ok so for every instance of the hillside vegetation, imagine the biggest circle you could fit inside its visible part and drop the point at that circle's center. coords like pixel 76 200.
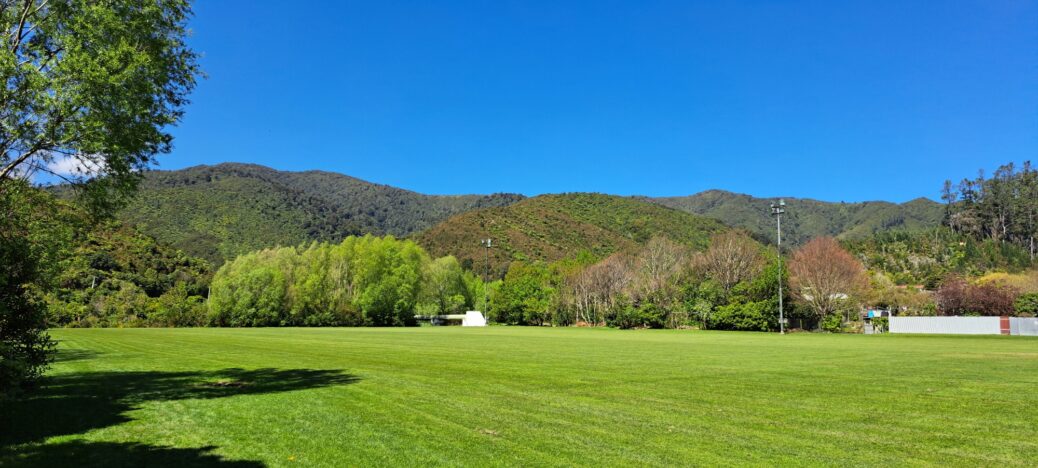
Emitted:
pixel 806 219
pixel 553 227
pixel 218 212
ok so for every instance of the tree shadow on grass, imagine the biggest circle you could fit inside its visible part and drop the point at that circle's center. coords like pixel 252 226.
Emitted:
pixel 66 355
pixel 111 454
pixel 75 403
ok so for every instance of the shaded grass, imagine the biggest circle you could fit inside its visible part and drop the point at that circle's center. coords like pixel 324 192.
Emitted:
pixel 527 396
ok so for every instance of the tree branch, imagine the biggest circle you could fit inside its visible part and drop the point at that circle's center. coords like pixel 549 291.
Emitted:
pixel 17 39
pixel 20 159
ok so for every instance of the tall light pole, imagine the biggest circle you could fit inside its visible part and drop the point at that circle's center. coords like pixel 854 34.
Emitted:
pixel 487 244
pixel 777 209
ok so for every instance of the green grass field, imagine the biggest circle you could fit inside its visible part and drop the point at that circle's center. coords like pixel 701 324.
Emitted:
pixel 525 396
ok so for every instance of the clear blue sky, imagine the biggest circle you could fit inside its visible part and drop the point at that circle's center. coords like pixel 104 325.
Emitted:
pixel 834 100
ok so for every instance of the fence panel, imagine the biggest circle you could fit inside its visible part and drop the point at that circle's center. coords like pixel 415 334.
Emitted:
pixel 947 325
pixel 1027 326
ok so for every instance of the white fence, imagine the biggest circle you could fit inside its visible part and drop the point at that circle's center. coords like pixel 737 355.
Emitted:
pixel 947 325
pixel 1027 326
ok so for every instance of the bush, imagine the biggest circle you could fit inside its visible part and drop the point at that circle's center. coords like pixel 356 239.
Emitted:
pixel 1027 304
pixel 750 316
pixel 960 297
pixel 652 315
pixel 832 323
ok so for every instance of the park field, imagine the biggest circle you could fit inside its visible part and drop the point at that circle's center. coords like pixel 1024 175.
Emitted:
pixel 525 396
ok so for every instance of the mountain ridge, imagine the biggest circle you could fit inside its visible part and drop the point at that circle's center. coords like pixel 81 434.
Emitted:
pixel 222 210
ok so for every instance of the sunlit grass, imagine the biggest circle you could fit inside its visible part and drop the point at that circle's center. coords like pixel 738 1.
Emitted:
pixel 527 396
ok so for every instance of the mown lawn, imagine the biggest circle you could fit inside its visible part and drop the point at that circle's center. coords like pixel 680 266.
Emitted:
pixel 525 396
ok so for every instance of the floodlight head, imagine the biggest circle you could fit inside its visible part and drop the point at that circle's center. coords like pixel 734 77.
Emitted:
pixel 782 202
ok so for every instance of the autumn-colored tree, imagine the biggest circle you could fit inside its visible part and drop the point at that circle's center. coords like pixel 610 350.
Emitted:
pixel 824 275
pixel 731 258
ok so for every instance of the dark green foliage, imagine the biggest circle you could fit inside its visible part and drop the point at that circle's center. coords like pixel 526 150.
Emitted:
pixel 31 239
pixel 748 316
pixel 926 257
pixel 623 314
pixel 752 304
pixel 806 219
pixel 116 276
pixel 1003 208
pixel 1027 304
pixel 218 212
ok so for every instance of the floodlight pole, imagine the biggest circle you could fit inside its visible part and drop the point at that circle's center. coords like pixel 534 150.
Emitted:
pixel 486 243
pixel 777 209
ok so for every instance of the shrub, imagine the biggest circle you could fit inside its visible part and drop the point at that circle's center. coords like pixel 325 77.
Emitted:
pixel 750 316
pixel 1027 304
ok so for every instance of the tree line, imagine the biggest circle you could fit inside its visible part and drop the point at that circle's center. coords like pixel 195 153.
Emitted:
pixel 1003 207
pixel 362 281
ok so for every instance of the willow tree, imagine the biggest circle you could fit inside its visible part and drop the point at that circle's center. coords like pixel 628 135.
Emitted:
pixel 91 88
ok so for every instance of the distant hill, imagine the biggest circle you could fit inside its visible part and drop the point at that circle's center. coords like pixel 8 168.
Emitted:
pixel 218 212
pixel 805 218
pixel 552 227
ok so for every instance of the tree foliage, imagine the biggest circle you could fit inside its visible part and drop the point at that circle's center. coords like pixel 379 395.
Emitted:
pixel 958 296
pixel 1003 208
pixel 378 281
pixel 30 240
pixel 94 83
pixel 824 276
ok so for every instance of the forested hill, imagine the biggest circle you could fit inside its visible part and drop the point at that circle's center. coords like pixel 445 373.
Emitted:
pixel 220 211
pixel 805 218
pixel 553 227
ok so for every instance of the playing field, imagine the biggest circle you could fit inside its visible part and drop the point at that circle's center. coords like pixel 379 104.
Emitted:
pixel 526 396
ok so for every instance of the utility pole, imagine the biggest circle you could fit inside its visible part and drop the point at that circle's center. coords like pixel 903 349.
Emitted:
pixel 486 243
pixel 777 209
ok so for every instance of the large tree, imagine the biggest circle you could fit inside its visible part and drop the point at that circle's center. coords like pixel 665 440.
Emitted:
pixel 825 276
pixel 731 258
pixel 91 88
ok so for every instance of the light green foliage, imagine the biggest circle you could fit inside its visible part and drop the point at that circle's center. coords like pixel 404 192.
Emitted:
pixel 446 286
pixel 387 278
pixel 362 281
pixel 530 396
pixel 527 296
pixel 100 81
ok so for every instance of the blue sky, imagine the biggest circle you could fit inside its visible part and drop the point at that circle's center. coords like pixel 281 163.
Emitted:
pixel 829 100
